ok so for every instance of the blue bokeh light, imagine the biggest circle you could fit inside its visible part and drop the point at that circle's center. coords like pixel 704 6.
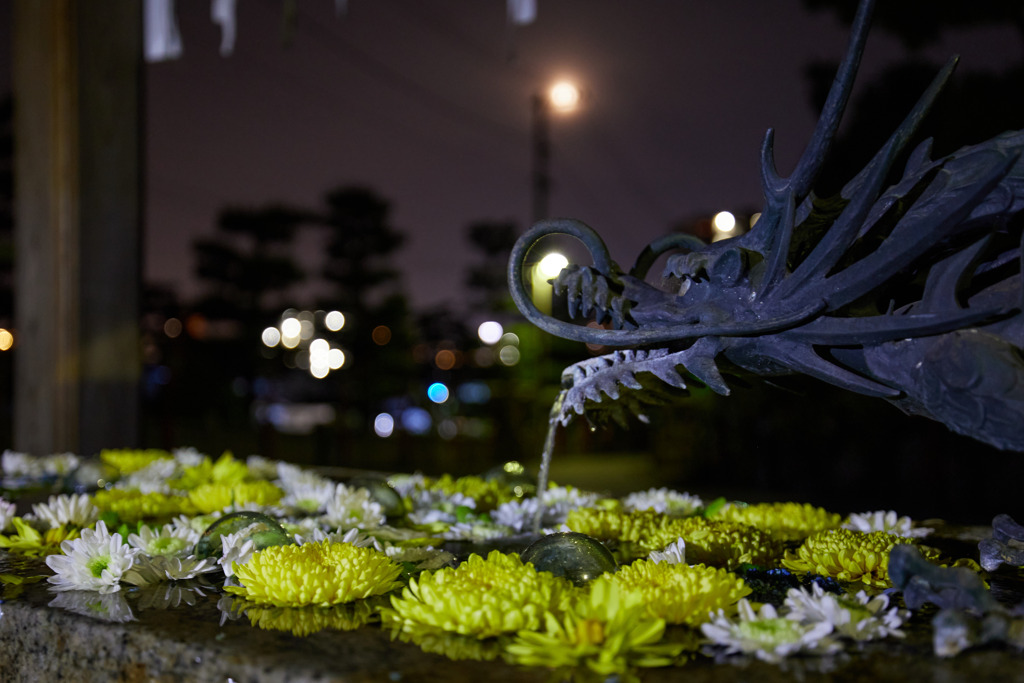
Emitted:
pixel 437 392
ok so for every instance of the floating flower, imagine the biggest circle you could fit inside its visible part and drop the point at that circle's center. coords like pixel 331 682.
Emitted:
pixel 226 470
pixel 134 505
pixel 853 616
pixel 64 510
pixel 480 598
pixel 353 508
pixel 94 561
pixel 887 521
pixel 59 464
pixel 678 593
pixel 713 542
pixel 766 635
pixel 7 512
pixel 188 456
pixel 149 570
pixel 214 496
pixel 126 461
pixel 487 493
pixel 673 553
pixel 608 630
pixel 663 500
pixel 849 555
pixel 153 478
pixel 322 574
pixel 170 539
pixel 436 506
pixel 28 541
pixel 784 521
pixel 17 464
pixel 309 498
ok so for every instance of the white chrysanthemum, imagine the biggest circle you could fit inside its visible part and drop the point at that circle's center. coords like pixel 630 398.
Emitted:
pixel 95 561
pixel 433 506
pixel 517 515
pixel 291 477
pixel 110 607
pixel 406 485
pixel 854 616
pixel 673 553
pixel 153 477
pixel 188 456
pixel 766 635
pixel 309 497
pixel 354 537
pixel 237 547
pixel 353 507
pixel 59 464
pixel 16 464
pixel 474 531
pixel 149 570
pixel 168 540
pixel 76 509
pixel 261 468
pixel 663 500
pixel 7 512
pixel 887 521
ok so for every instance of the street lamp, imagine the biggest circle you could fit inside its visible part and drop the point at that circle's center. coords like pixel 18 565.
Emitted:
pixel 562 97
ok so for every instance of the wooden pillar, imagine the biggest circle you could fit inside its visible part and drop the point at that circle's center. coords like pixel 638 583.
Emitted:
pixel 77 147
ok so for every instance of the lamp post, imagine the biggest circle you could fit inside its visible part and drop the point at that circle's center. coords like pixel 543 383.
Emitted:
pixel 562 97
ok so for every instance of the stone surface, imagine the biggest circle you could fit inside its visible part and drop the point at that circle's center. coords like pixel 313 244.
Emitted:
pixel 196 643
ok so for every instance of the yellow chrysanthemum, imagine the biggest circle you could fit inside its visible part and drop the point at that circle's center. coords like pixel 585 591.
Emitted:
pixel 850 555
pixel 132 505
pixel 679 593
pixel 212 497
pixel 712 542
pixel 322 574
pixel 488 493
pixel 28 541
pixel 608 630
pixel 226 470
pixel 304 621
pixel 784 521
pixel 127 460
pixel 480 598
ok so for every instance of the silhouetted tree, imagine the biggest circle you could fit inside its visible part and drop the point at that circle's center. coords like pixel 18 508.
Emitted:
pixel 487 279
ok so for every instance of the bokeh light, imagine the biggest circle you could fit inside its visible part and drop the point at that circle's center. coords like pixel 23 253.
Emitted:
pixel 508 355
pixel 334 321
pixel 564 96
pixel 271 337
pixel 6 339
pixel 444 359
pixel 384 425
pixel 490 332
pixel 551 265
pixel 416 420
pixel 381 335
pixel 438 392
pixel 172 328
pixel 724 221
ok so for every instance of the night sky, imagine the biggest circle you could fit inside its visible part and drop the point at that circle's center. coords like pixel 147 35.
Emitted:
pixel 427 103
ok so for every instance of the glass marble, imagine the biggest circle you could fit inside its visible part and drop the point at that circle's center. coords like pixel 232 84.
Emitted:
pixel 263 530
pixel 577 557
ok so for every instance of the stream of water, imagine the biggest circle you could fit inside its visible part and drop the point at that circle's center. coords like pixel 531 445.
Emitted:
pixel 545 459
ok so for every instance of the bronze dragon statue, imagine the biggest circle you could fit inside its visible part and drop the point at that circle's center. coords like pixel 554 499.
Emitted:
pixel 910 292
